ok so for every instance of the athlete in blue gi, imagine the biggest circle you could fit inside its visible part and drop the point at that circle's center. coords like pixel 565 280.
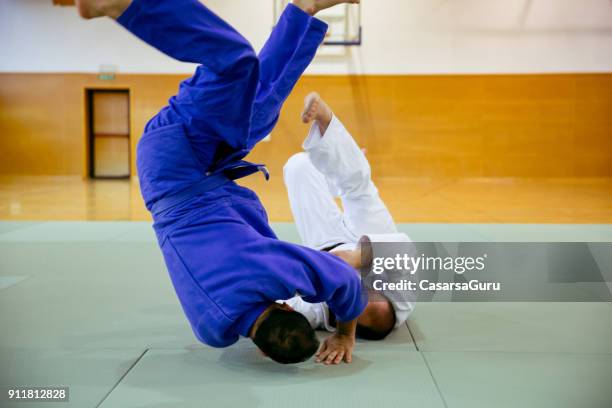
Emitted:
pixel 226 263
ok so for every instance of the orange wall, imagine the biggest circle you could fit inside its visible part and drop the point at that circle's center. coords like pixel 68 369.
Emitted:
pixel 475 126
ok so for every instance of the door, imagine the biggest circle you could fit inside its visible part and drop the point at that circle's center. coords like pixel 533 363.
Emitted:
pixel 109 133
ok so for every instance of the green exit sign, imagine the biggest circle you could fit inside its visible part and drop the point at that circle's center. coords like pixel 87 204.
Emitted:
pixel 106 76
pixel 107 72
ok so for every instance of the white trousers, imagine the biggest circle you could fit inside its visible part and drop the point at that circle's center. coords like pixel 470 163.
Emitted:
pixel 332 165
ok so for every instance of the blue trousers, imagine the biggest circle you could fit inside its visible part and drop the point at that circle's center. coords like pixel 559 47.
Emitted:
pixel 235 96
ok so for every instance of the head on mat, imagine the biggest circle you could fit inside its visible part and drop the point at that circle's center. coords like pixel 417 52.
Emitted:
pixel 284 335
pixel 377 320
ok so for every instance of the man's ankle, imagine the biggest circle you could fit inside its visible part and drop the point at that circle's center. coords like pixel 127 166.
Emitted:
pixel 307 6
pixel 115 8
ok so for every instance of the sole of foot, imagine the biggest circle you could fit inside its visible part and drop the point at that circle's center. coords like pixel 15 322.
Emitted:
pixel 315 108
pixel 311 107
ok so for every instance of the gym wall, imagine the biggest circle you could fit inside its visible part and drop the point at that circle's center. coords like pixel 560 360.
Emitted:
pixel 400 37
pixel 479 88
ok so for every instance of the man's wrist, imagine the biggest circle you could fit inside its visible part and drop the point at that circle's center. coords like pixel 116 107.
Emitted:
pixel 346 328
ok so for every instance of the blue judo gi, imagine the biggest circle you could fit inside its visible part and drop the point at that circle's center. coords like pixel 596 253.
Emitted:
pixel 226 264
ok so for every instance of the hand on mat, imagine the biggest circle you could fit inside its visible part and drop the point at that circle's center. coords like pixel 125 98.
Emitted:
pixel 335 349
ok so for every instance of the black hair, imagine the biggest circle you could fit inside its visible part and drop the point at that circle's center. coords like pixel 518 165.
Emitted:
pixel 368 333
pixel 374 333
pixel 286 337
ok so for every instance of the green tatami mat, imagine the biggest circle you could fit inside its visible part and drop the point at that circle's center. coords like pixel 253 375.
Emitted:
pixel 545 232
pixel 516 327
pixel 8 226
pixel 526 380
pixel 89 295
pixel 90 374
pixel 8 281
pixel 71 231
pixel 241 377
pixel 80 302
pixel 143 231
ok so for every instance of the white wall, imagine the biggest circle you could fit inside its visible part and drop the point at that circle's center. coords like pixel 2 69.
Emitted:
pixel 400 37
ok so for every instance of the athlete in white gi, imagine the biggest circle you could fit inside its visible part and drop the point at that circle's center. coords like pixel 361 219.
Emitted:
pixel 332 165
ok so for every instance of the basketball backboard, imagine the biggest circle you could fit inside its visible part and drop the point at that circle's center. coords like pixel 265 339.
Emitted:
pixel 344 23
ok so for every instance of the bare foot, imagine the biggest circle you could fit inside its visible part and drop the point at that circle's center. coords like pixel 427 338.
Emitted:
pixel 100 8
pixel 312 7
pixel 316 109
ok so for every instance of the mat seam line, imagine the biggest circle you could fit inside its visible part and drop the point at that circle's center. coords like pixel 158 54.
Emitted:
pixel 416 346
pixel 122 377
pixel 433 379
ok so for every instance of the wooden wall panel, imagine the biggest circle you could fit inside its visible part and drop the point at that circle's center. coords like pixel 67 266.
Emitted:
pixel 430 126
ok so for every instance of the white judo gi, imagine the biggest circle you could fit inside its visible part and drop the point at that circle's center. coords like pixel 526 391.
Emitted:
pixel 332 165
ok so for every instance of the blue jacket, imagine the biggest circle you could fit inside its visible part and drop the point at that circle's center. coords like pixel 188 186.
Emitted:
pixel 225 262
